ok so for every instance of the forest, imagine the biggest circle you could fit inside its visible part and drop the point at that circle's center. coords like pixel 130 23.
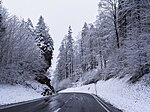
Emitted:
pixel 25 51
pixel 105 67
pixel 116 45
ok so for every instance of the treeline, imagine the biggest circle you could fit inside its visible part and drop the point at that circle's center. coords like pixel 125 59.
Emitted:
pixel 25 50
pixel 115 45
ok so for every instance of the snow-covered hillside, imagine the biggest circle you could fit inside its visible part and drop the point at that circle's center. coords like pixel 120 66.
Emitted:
pixel 13 94
pixel 127 97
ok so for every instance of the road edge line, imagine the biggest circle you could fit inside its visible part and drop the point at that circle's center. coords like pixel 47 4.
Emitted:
pixel 100 103
pixel 22 103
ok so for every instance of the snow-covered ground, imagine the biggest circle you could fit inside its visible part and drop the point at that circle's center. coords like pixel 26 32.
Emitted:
pixel 129 98
pixel 13 94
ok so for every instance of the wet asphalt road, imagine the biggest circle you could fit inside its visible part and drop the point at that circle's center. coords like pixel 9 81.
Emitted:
pixel 63 102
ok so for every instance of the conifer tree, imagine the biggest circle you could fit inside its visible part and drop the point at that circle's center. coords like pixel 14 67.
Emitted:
pixel 44 40
pixel 70 51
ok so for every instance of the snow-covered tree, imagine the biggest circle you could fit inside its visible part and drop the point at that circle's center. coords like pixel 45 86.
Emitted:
pixel 62 68
pixel 66 61
pixel 3 40
pixel 108 9
pixel 44 40
pixel 83 40
pixel 20 57
pixel 65 64
pixel 70 54
pixel 117 45
pixel 30 27
pixel 134 33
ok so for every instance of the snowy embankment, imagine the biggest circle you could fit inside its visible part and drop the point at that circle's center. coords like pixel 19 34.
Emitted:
pixel 14 94
pixel 129 98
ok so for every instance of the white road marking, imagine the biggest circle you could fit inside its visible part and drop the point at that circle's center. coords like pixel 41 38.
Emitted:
pixel 100 103
pixel 57 110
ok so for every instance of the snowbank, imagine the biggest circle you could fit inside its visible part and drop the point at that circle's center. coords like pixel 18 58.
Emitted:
pixel 129 98
pixel 13 94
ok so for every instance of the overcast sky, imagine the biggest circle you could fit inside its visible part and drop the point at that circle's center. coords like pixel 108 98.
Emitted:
pixel 58 15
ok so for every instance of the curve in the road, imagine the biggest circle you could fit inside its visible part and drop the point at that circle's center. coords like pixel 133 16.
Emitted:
pixel 63 102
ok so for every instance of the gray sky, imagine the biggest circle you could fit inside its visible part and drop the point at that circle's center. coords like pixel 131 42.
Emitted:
pixel 58 15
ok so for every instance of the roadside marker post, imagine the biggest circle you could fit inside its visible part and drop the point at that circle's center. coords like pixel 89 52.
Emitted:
pixel 95 82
